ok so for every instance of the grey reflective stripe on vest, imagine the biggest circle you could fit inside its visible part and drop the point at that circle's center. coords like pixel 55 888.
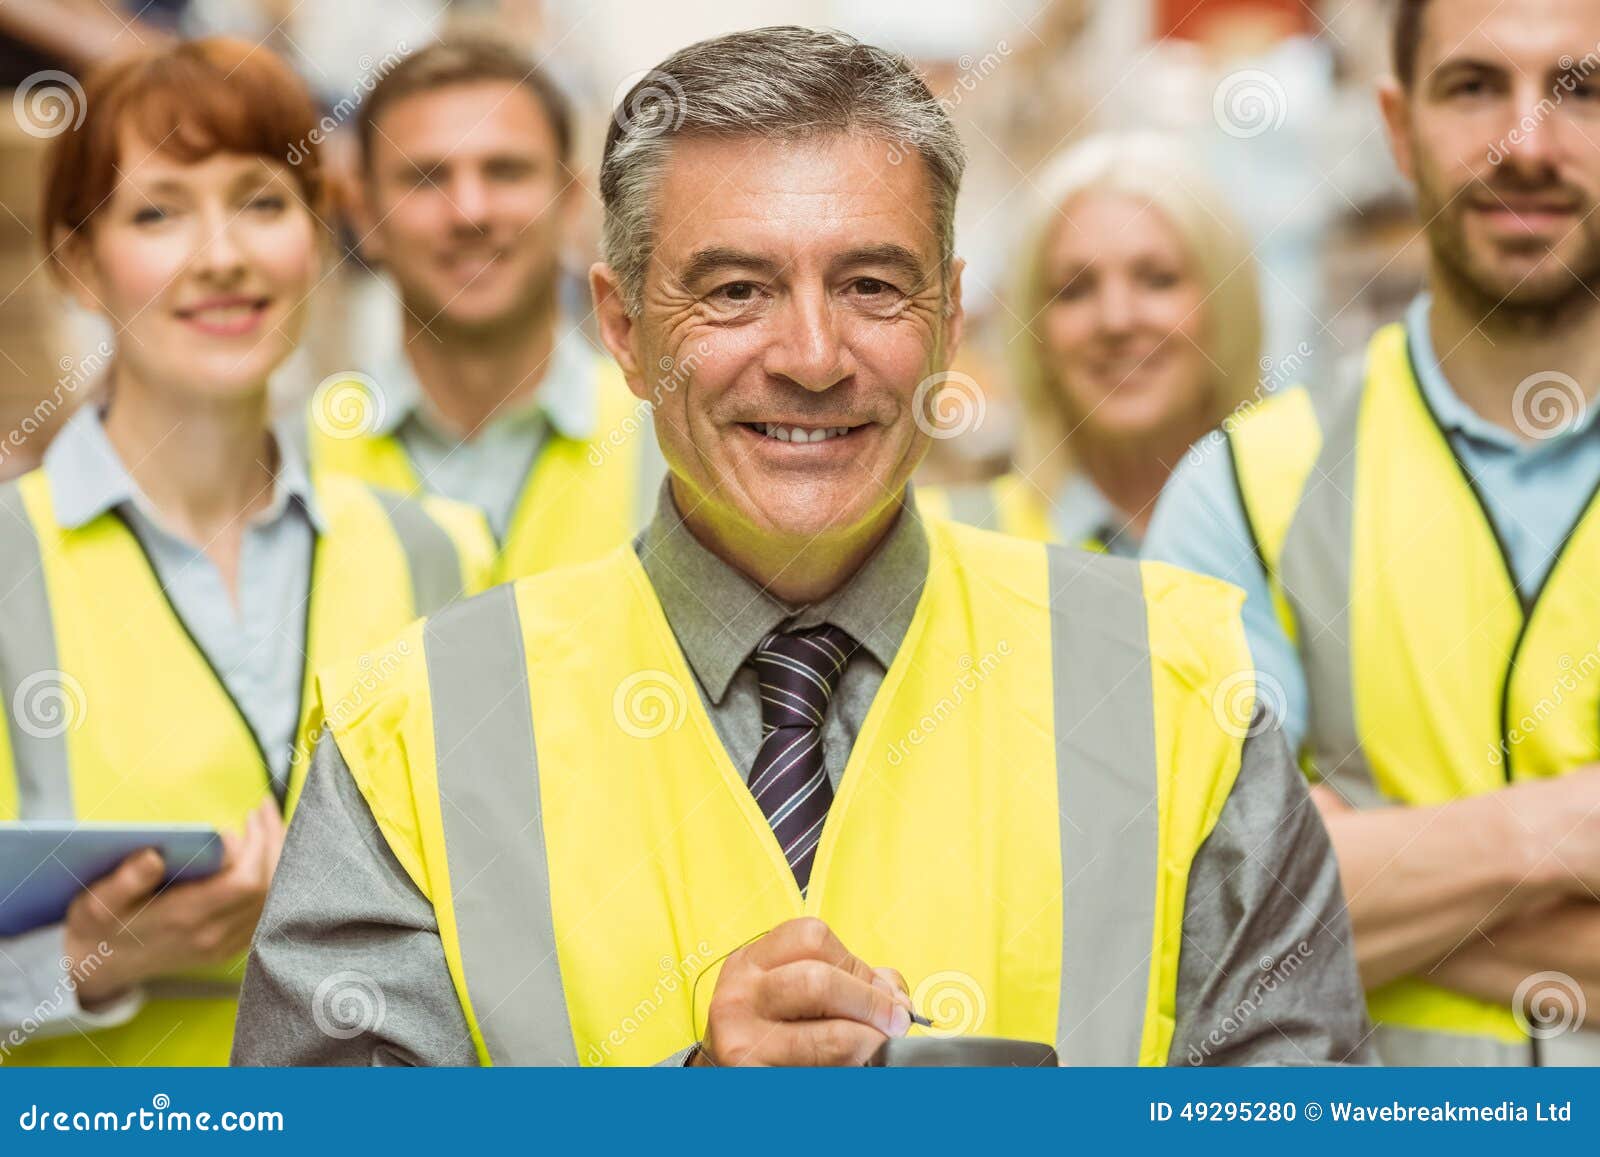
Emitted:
pixel 431 556
pixel 1106 772
pixel 1315 575
pixel 494 832
pixel 30 677
pixel 975 506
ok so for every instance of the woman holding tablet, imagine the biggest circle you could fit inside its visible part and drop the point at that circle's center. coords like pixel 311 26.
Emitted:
pixel 170 576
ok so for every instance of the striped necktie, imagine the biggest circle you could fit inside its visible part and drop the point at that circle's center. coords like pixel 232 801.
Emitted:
pixel 798 672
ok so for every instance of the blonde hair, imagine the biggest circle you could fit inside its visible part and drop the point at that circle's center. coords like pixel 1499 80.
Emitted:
pixel 1152 169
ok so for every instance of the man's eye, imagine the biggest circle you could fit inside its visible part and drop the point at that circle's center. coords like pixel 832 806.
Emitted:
pixel 736 292
pixel 872 287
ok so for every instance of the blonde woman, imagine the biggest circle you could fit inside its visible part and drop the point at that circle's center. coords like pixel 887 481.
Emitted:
pixel 1138 329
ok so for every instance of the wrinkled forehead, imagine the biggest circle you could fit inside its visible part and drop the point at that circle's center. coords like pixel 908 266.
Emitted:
pixel 799 203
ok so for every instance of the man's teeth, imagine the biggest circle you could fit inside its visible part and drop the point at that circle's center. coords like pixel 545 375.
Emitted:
pixel 799 433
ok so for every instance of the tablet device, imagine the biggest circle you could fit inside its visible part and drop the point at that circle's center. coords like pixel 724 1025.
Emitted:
pixel 45 863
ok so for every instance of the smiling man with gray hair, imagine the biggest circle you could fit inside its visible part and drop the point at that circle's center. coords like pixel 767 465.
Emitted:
pixel 796 764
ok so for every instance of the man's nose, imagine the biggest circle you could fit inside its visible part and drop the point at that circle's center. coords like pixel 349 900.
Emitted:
pixel 1532 148
pixel 469 200
pixel 808 350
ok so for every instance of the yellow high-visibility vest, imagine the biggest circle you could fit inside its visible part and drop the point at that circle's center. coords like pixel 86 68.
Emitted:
pixel 1009 504
pixel 580 499
pixel 119 715
pixel 1013 830
pixel 1429 679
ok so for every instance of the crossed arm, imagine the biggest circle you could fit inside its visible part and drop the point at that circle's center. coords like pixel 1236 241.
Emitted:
pixel 1477 894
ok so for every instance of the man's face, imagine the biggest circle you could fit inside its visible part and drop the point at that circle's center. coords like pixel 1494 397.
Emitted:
pixel 1501 134
pixel 465 190
pixel 791 308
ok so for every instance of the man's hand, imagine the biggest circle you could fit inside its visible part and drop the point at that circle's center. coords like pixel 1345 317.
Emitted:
pixel 798 997
pixel 187 926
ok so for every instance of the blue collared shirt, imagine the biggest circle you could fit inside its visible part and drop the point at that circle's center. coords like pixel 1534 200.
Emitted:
pixel 490 469
pixel 1081 513
pixel 1534 491
pixel 256 647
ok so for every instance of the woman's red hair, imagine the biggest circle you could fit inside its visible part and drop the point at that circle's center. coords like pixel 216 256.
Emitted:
pixel 198 98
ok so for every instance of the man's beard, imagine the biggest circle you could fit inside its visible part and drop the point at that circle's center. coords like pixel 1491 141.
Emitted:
pixel 1541 299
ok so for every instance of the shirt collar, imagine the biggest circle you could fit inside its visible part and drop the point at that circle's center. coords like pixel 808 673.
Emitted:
pixel 87 477
pixel 566 397
pixel 1082 514
pixel 719 615
pixel 1454 415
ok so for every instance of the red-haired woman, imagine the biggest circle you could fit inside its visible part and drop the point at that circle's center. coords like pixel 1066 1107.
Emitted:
pixel 170 576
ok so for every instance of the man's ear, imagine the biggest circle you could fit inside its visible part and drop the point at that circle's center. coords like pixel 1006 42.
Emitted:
pixel 955 314
pixel 617 329
pixel 75 269
pixel 1394 103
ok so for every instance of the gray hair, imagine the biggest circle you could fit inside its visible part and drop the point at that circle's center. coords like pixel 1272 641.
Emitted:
pixel 782 82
